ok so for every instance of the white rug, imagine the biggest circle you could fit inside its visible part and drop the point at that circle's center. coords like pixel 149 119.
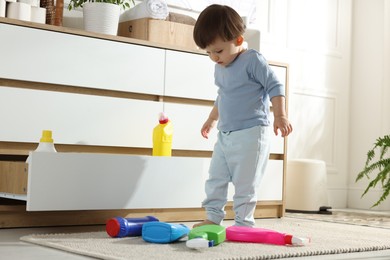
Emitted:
pixel 375 219
pixel 326 238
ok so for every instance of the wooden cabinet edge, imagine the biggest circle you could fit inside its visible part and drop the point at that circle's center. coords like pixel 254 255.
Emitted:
pixel 13 177
pixel 16 216
pixel 79 32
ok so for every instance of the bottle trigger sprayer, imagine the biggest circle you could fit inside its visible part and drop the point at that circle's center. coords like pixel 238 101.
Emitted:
pixel 162 137
pixel 206 236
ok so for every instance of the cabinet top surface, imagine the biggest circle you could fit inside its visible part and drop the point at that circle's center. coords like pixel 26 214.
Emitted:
pixel 79 32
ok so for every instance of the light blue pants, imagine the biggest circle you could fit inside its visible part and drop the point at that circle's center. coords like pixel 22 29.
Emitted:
pixel 239 157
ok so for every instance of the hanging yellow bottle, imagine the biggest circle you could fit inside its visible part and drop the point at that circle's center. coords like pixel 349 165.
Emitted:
pixel 162 137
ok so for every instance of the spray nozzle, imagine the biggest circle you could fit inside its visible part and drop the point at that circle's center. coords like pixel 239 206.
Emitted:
pixel 199 242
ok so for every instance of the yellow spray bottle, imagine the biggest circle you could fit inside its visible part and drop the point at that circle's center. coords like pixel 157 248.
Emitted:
pixel 162 137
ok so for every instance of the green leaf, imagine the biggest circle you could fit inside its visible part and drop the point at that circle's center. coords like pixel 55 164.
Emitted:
pixel 381 167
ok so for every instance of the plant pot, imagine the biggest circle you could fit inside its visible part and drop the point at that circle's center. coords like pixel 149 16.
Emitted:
pixel 101 17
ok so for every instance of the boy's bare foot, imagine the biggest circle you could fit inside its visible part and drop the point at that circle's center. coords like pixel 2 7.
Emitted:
pixel 204 222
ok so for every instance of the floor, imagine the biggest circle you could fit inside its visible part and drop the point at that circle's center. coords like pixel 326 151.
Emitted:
pixel 12 248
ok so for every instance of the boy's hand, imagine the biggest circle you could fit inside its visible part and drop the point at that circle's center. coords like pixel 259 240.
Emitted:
pixel 282 124
pixel 206 128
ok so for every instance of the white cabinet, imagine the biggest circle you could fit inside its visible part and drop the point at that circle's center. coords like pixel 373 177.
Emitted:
pixel 61 58
pixel 187 121
pixel 269 188
pixel 189 75
pixel 106 93
pixel 277 142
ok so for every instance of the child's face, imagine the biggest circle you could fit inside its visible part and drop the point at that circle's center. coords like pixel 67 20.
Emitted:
pixel 223 53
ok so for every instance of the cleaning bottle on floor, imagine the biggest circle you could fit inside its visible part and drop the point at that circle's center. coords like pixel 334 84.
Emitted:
pixel 206 236
pixel 125 227
pixel 262 235
pixel 162 137
pixel 162 233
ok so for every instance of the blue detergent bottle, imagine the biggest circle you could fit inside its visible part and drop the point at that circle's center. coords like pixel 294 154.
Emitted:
pixel 162 233
pixel 124 227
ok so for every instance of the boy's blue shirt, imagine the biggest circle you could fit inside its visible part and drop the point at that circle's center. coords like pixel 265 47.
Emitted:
pixel 245 88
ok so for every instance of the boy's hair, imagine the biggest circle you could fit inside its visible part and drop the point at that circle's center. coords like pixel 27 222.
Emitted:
pixel 217 21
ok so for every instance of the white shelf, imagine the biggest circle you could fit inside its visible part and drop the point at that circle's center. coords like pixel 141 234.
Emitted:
pixel 13 196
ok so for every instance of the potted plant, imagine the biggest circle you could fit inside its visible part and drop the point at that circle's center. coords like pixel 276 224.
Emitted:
pixel 381 166
pixel 101 16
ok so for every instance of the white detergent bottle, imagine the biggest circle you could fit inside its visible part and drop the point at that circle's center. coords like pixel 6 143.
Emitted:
pixel 46 144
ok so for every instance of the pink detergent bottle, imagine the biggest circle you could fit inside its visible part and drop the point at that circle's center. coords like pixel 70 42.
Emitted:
pixel 262 235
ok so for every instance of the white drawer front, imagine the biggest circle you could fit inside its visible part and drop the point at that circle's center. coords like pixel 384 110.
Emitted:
pixel 277 142
pixel 52 57
pixel 271 186
pixel 189 75
pixel 76 119
pixel 187 121
pixel 81 181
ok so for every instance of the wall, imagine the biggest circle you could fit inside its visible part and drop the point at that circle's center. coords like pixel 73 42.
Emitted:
pixel 314 38
pixel 370 92
pixel 339 56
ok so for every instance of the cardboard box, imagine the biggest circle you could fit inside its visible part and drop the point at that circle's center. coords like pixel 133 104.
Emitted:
pixel 159 31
